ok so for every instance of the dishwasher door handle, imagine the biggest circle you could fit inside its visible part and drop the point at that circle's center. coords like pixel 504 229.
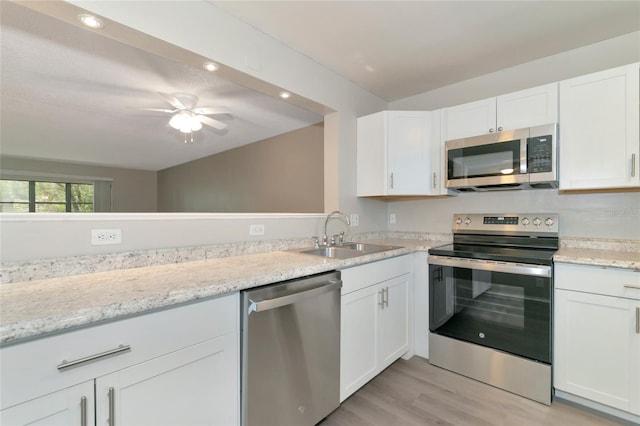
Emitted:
pixel 265 305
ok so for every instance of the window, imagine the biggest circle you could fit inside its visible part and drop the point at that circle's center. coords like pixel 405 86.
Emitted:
pixel 21 196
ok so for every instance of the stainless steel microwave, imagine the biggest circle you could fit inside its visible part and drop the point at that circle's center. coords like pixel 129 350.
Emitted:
pixel 512 159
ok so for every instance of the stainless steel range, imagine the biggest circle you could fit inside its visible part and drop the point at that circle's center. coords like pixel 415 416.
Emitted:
pixel 490 299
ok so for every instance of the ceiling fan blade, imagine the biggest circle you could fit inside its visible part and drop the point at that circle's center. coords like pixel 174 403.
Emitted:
pixel 161 110
pixel 211 122
pixel 175 102
pixel 212 110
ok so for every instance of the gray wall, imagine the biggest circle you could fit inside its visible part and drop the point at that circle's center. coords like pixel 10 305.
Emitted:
pixel 131 190
pixel 276 175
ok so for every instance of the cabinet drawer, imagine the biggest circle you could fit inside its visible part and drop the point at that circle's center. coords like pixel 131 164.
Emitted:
pixel 369 274
pixel 30 369
pixel 598 280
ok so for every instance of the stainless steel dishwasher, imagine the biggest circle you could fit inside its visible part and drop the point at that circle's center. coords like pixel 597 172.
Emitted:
pixel 291 351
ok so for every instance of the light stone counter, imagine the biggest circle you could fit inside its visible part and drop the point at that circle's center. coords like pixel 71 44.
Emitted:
pixel 599 252
pixel 599 257
pixel 34 308
pixel 29 309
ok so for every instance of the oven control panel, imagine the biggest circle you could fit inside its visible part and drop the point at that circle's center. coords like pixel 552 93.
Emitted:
pixel 525 223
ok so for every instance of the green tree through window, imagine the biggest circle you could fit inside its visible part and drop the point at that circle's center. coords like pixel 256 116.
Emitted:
pixel 21 196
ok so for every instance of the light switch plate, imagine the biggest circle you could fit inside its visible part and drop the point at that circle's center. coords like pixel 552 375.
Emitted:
pixel 392 218
pixel 354 218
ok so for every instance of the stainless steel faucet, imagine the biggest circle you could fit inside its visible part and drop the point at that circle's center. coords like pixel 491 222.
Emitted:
pixel 335 214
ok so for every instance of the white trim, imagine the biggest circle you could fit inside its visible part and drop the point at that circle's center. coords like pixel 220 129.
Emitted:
pixel 39 176
pixel 92 217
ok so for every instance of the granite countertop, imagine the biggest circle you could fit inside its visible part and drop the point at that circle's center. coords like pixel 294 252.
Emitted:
pixel 35 308
pixel 31 309
pixel 599 257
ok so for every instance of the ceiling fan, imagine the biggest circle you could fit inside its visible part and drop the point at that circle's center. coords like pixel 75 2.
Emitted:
pixel 186 117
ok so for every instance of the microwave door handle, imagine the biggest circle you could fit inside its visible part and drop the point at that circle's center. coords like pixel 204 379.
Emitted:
pixel 485 265
pixel 524 154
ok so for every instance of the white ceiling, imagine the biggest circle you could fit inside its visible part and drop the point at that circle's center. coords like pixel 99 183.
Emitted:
pixel 73 95
pixel 396 49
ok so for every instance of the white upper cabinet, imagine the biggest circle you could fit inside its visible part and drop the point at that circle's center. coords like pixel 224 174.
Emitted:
pixel 526 108
pixel 472 119
pixel 599 136
pixel 394 154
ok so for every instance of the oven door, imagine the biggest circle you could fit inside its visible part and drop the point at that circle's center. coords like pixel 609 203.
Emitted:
pixel 505 306
pixel 495 159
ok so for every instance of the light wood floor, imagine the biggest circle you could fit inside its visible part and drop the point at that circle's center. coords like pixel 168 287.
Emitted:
pixel 416 393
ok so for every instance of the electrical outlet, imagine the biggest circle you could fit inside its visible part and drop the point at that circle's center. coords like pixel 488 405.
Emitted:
pixel 392 218
pixel 256 229
pixel 354 218
pixel 101 237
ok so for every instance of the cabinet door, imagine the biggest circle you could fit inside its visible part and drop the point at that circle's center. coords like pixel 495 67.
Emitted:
pixel 599 139
pixel 358 339
pixel 527 108
pixel 438 167
pixel 67 407
pixel 597 352
pixel 393 321
pixel 408 153
pixel 472 119
pixel 371 162
pixel 194 386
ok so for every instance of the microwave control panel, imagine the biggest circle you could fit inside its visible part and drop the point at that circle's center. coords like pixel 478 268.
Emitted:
pixel 540 154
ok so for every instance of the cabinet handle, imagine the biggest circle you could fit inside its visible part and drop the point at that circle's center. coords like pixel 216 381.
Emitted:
pixel 77 362
pixel 381 298
pixel 633 165
pixel 499 129
pixel 637 320
pixel 434 180
pixel 83 411
pixel 385 296
pixel 635 287
pixel 112 407
pixel 391 180
pixel 491 130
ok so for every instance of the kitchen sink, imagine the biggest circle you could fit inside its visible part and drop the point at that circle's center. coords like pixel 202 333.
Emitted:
pixel 368 248
pixel 348 250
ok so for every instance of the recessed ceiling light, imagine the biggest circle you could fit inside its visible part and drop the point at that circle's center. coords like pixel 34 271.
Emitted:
pixel 211 66
pixel 285 95
pixel 90 21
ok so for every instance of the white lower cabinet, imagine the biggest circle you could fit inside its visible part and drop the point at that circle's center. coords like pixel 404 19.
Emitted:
pixel 70 406
pixel 182 368
pixel 597 335
pixel 375 320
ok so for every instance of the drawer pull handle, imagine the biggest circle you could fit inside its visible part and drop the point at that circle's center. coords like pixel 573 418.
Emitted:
pixel 64 365
pixel 112 407
pixel 635 287
pixel 83 411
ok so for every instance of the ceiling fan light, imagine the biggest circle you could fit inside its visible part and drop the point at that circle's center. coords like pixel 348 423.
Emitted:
pixel 179 120
pixel 195 124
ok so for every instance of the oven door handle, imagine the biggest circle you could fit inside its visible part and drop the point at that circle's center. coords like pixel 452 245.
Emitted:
pixel 493 266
